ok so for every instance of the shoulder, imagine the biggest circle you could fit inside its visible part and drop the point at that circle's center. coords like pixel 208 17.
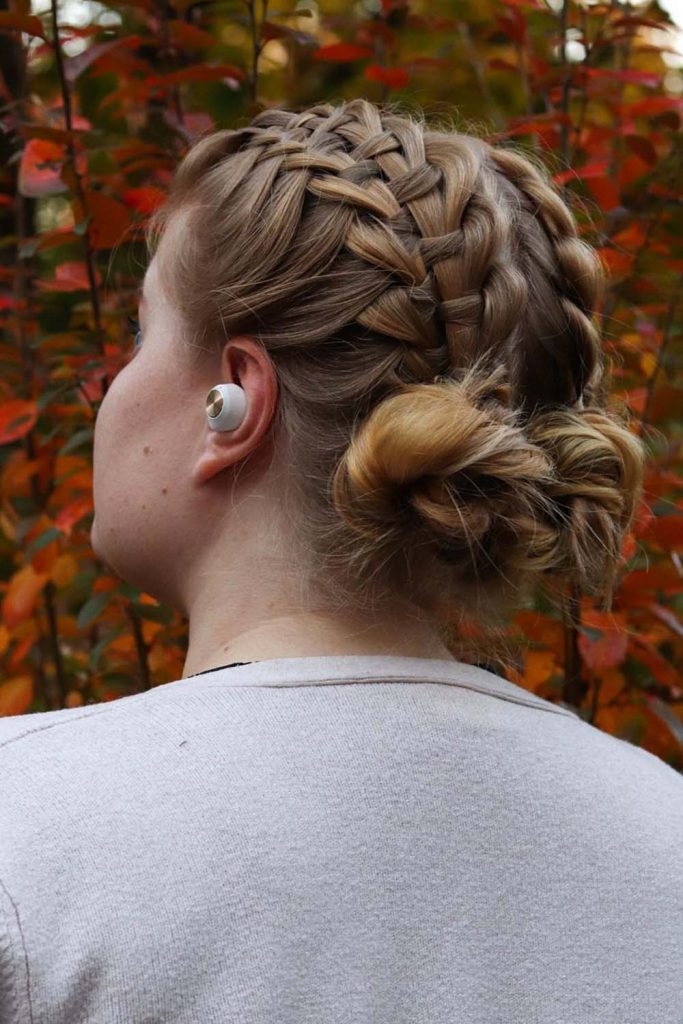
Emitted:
pixel 70 735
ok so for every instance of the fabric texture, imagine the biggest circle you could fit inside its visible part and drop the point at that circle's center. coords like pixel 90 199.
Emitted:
pixel 336 840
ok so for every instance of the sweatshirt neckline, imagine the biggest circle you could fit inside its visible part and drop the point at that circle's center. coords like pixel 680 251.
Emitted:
pixel 321 670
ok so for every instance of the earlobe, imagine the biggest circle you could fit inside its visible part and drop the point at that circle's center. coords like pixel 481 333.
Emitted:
pixel 219 452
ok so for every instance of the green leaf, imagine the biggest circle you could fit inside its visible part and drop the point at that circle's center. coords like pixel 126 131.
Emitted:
pixel 79 438
pixel 101 645
pixel 129 591
pixel 155 613
pixel 91 609
pixel 82 226
pixel 28 248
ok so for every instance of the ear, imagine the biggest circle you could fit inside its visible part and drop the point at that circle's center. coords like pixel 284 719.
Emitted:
pixel 244 361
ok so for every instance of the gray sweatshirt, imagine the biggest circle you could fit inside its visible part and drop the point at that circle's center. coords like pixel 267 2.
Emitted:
pixel 336 840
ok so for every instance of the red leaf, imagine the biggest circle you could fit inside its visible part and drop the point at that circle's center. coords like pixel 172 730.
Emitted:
pixel 667 531
pixel 204 73
pixel 642 147
pixel 617 262
pixel 625 75
pixel 643 517
pixel 342 52
pixel 17 418
pixel 69 277
pixel 76 65
pixel 653 105
pixel 533 4
pixel 608 651
pixel 594 169
pixel 606 193
pixel 187 36
pixel 394 78
pixel 662 670
pixel 499 64
pixel 642 586
pixel 630 169
pixel 513 24
pixel 110 219
pixel 40 169
pixel 28 23
pixel 68 516
pixel 144 199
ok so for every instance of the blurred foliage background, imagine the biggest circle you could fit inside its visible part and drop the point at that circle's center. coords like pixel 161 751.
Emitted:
pixel 99 103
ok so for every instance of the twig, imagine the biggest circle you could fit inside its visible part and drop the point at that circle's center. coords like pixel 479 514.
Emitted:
pixel 669 321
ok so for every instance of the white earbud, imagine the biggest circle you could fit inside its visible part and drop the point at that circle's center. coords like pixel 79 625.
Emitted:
pixel 226 405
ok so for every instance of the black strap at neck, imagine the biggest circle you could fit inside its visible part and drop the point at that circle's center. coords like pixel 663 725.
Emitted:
pixel 231 665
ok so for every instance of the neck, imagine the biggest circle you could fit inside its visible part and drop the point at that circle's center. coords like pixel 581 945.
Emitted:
pixel 311 634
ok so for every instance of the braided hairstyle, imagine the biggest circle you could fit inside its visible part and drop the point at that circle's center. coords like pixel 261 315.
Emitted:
pixel 428 307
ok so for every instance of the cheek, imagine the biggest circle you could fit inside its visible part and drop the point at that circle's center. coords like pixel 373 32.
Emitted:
pixel 120 421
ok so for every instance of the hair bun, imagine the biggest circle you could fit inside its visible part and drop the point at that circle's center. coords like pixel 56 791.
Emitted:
pixel 599 469
pixel 452 463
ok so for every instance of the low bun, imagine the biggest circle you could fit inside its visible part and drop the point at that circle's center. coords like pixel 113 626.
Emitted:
pixel 449 466
pixel 598 478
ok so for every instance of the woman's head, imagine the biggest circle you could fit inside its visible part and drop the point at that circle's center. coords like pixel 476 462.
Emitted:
pixel 412 311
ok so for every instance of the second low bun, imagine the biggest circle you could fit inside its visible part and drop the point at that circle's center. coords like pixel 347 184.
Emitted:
pixel 597 484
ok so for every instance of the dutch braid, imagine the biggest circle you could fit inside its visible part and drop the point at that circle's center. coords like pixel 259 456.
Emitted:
pixel 428 305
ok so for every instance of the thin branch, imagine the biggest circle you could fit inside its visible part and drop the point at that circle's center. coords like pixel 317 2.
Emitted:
pixel 669 321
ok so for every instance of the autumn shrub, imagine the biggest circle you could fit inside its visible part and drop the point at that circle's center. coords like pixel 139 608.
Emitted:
pixel 96 117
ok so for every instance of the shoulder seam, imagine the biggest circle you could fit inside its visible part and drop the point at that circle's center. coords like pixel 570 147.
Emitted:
pixel 30 731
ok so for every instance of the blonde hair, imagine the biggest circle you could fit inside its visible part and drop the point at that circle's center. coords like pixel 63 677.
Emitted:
pixel 428 307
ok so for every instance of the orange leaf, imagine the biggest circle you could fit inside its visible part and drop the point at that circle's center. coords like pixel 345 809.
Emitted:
pixel 22 595
pixel 64 570
pixel 538 668
pixel 16 696
pixel 17 418
pixel 20 651
pixel 4 637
